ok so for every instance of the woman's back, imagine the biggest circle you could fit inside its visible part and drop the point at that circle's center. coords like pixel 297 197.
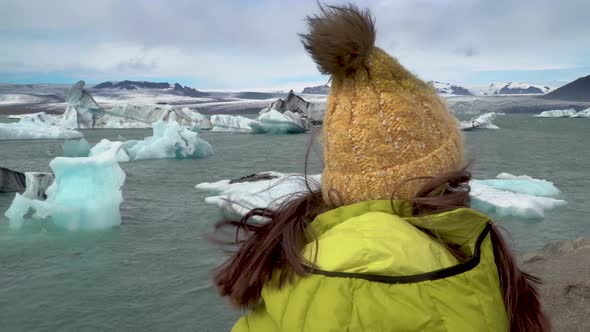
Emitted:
pixel 376 271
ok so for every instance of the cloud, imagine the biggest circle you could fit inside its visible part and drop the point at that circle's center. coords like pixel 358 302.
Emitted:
pixel 467 52
pixel 253 43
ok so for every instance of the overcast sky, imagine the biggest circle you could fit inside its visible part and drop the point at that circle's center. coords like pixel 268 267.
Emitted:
pixel 242 44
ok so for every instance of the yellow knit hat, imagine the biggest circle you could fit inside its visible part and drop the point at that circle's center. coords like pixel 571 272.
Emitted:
pixel 383 126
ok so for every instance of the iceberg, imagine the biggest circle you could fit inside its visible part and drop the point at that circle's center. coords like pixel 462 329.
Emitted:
pixel 143 116
pixel 82 110
pixel 522 184
pixel 483 121
pixel 85 195
pixel 557 113
pixel 582 114
pixel 295 104
pixel 200 120
pixel 36 126
pixel 503 203
pixel 263 190
pixel 275 122
pixel 169 140
pixel 76 148
pixel 523 196
pixel 105 145
pixel 231 123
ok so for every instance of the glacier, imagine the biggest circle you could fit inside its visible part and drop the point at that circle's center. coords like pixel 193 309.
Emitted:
pixel 557 113
pixel 85 195
pixel 506 196
pixel 83 112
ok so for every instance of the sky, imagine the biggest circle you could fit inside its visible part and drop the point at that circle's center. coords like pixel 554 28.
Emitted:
pixel 253 44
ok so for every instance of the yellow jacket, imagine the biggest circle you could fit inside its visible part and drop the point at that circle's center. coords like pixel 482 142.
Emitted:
pixel 376 271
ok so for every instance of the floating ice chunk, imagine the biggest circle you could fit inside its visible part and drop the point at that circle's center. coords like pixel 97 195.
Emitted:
pixel 268 189
pixel 85 195
pixel 510 204
pixel 231 123
pixel 169 140
pixel 200 120
pixel 82 110
pixel 76 148
pixel 105 145
pixel 41 119
pixel 279 123
pixel 557 113
pixel 521 184
pixel 26 131
pixel 483 121
pixel 582 114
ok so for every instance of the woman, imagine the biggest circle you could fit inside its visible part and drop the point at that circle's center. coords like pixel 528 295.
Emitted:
pixel 389 244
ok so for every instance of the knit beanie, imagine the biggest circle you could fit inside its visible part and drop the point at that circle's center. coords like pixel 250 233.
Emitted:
pixel 383 127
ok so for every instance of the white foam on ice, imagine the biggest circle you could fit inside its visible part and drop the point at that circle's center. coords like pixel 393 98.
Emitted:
pixel 85 195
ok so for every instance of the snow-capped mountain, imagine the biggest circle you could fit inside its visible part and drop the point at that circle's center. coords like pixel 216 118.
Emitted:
pixel 510 88
pixel 448 89
pixel 317 90
pixel 175 88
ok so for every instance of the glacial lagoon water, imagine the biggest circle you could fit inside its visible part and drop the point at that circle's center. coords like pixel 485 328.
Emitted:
pixel 153 272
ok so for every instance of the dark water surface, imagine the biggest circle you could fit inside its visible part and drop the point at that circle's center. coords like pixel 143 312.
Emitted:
pixel 152 272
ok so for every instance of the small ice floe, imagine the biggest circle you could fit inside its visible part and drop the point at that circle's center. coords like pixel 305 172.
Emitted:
pixel 515 196
pixel 557 113
pixel 483 121
pixel 268 189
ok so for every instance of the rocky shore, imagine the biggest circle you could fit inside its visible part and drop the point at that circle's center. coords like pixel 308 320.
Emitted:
pixel 564 267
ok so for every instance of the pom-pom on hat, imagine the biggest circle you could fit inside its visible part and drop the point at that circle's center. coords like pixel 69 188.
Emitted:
pixel 383 126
